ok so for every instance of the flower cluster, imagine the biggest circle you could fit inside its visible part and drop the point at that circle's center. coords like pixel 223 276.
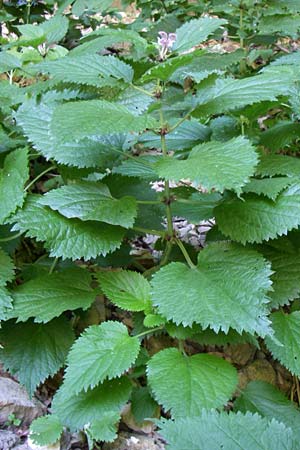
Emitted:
pixel 165 42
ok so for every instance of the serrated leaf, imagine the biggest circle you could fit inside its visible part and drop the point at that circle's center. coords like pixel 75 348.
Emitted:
pixel 93 5
pixel 230 94
pixel 209 337
pixel 271 165
pixel 226 289
pixel 55 28
pixel 280 135
pixel 187 384
pixel 93 70
pixel 12 179
pixel 6 268
pixel 35 119
pixel 195 31
pixel 269 187
pixel 286 267
pixel 76 411
pixel 197 207
pixel 31 36
pixel 32 352
pixel 91 201
pixel 5 303
pixel 105 429
pixel 127 289
pixel 263 398
pixel 9 61
pixel 214 165
pixel 66 238
pixel 143 405
pixel 215 431
pixel 102 352
pixel 95 118
pixel 47 296
pixel 287 331
pixel 135 101
pixel 288 25
pixel 256 219
pixel 141 166
pixel 165 69
pixel 46 430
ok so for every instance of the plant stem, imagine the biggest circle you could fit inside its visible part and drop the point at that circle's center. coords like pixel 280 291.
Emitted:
pixel 148 202
pixel 241 26
pixel 138 88
pixel 185 254
pixel 144 333
pixel 28 7
pixel 11 238
pixel 38 177
pixel 53 265
pixel 149 231
pixel 183 119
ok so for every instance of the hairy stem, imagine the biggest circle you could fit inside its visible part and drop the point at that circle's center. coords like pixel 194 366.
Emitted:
pixel 38 177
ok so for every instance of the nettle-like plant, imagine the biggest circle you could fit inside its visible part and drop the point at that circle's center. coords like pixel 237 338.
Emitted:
pixel 86 131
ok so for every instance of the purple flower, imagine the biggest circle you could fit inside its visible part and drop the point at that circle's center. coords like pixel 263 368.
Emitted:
pixel 165 42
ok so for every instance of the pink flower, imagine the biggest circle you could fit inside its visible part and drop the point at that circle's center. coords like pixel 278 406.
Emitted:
pixel 165 42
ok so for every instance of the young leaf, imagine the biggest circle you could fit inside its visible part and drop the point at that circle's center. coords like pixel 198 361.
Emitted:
pixel 46 430
pixel 126 289
pixel 287 331
pixel 12 179
pixel 214 165
pixel 227 289
pixel 48 296
pixel 102 352
pixel 76 411
pixel 186 385
pixel 105 429
pixel 255 219
pixel 263 398
pixel 195 31
pixel 95 118
pixel 91 201
pixel 215 431
pixel 32 352
pixel 93 70
pixel 66 238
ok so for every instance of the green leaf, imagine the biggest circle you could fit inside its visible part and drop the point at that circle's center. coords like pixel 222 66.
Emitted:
pixel 102 352
pixel 91 201
pixel 12 179
pixel 286 267
pixel 286 25
pixel 48 296
pixel 195 31
pixel 141 166
pixel 143 406
pixel 280 135
pixel 93 70
pixel 187 384
pixel 271 165
pixel 76 411
pixel 31 36
pixel 263 398
pixel 255 219
pixel 287 331
pixel 127 289
pixel 215 431
pixel 32 352
pixel 269 187
pixel 5 303
pixel 55 28
pixel 95 118
pixel 106 428
pixel 197 207
pixel 80 6
pixel 66 238
pixel 6 268
pixel 35 119
pixel 230 94
pixel 226 289
pixel 46 430
pixel 8 61
pixel 214 165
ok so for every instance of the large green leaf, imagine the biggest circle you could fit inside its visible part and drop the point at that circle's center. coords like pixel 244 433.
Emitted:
pixel 35 119
pixel 271 165
pixel 48 296
pixel 102 352
pixel 214 165
pixel 91 70
pixel 13 176
pixel 187 384
pixel 269 187
pixel 230 94
pixel 255 218
pixel 55 28
pixel 227 289
pixel 195 31
pixel 66 238
pixel 127 289
pixel 215 431
pixel 91 201
pixel 263 398
pixel 95 118
pixel 76 411
pixel 32 352
pixel 287 331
